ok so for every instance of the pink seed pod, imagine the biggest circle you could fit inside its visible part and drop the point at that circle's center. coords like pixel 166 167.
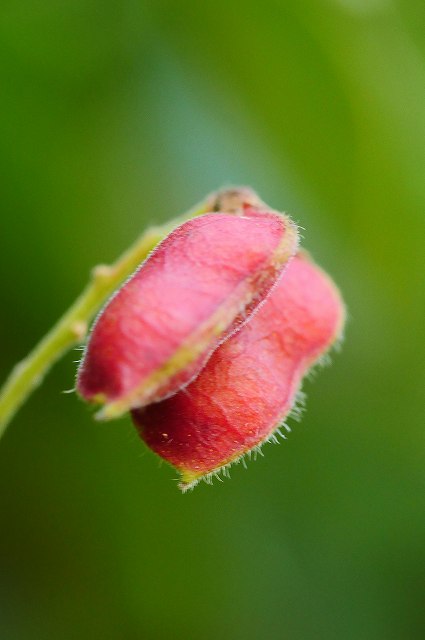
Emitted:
pixel 250 383
pixel 196 287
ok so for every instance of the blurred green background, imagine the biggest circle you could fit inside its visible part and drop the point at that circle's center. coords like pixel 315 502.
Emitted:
pixel 114 115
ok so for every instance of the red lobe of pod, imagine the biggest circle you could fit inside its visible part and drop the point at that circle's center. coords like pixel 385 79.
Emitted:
pixel 203 281
pixel 250 383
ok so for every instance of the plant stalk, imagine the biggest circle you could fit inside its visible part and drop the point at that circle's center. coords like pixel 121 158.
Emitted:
pixel 71 329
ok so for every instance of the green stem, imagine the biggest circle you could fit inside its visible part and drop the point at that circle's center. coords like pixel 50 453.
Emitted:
pixel 72 328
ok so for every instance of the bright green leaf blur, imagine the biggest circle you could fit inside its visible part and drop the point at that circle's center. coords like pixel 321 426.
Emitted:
pixel 114 115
